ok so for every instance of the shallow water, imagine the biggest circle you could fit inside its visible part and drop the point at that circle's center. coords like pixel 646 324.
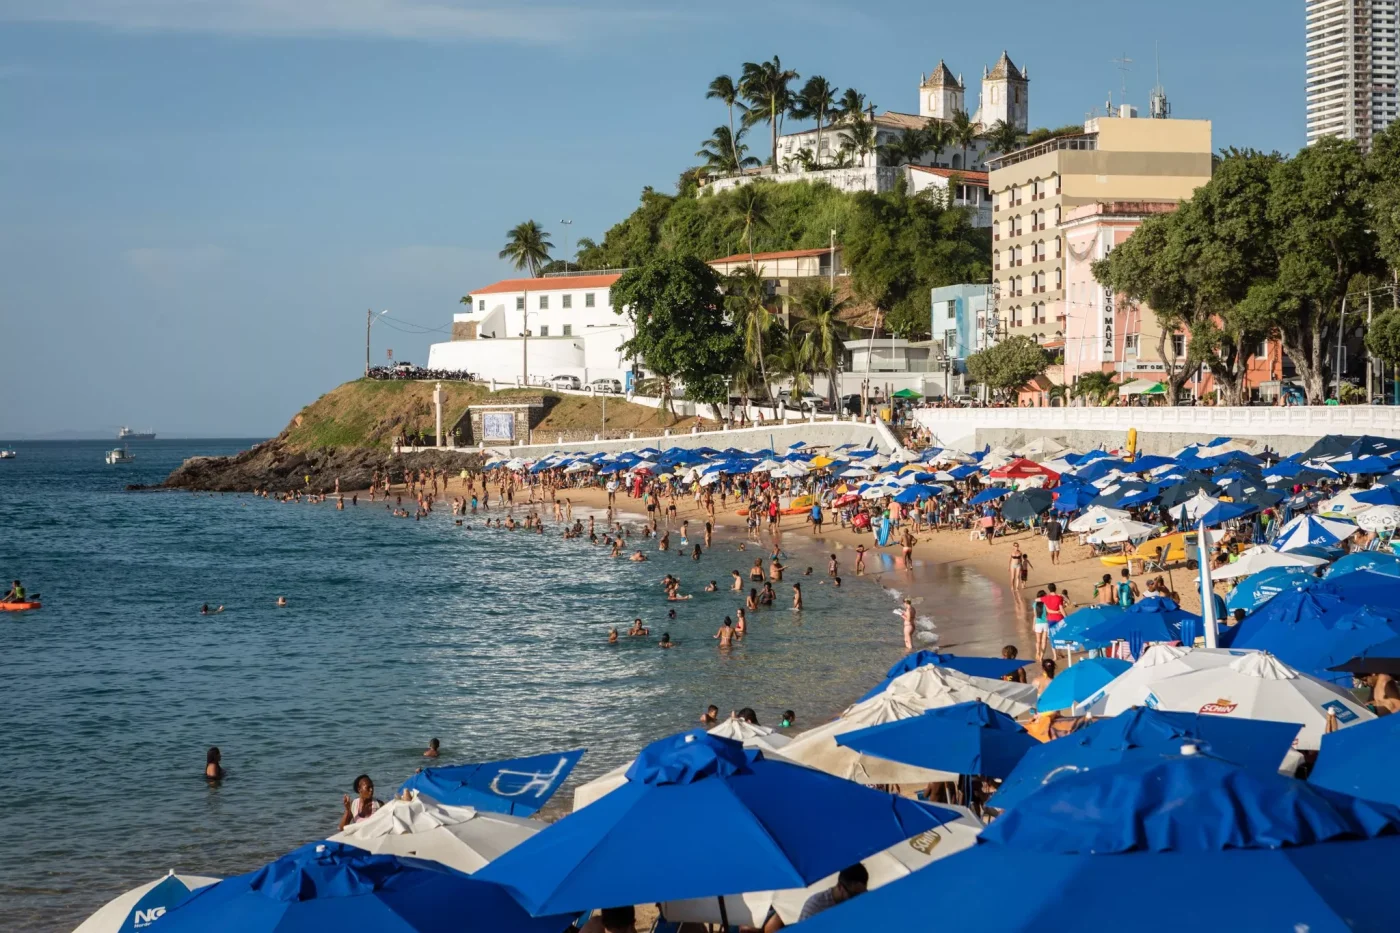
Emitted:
pixel 397 631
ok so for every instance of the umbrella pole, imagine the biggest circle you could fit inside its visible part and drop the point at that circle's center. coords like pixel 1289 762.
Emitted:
pixel 723 915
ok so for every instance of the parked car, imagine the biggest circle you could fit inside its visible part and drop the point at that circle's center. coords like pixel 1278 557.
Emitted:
pixel 566 382
pixel 404 366
pixel 607 386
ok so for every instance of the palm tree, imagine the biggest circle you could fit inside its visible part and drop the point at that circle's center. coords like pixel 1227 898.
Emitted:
pixel 724 89
pixel 964 132
pixel 724 153
pixel 1003 137
pixel 765 86
pixel 851 104
pixel 790 359
pixel 1095 387
pixel 937 137
pixel 824 332
pixel 814 102
pixel 746 300
pixel 527 246
pixel 909 147
pixel 750 211
pixel 860 134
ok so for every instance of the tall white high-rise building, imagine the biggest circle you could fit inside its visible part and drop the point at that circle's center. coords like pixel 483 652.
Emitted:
pixel 1351 77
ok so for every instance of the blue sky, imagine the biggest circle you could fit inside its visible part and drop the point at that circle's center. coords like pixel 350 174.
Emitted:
pixel 199 199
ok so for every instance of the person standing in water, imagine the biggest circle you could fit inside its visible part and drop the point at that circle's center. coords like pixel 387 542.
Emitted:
pixel 213 767
pixel 726 633
pixel 363 805
pixel 906 616
pixel 433 749
pixel 797 597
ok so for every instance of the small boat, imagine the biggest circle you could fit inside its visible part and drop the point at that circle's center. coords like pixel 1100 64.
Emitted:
pixel 120 455
pixel 7 455
pixel 20 607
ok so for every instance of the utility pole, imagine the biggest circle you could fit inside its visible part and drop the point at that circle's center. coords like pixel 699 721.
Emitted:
pixel 369 320
pixel 1370 360
pixel 1341 329
pixel 833 259
pixel 525 341
pixel 567 224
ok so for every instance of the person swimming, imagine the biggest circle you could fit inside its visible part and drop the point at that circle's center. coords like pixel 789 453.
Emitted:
pixel 666 640
pixel 789 717
pixel 206 611
pixel 712 587
pixel 281 602
pixel 433 746
pixel 612 635
pixel 638 629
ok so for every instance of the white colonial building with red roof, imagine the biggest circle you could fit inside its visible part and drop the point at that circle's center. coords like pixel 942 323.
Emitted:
pixel 572 331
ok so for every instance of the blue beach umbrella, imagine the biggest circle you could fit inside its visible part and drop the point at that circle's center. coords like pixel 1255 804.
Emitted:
pixel 915 494
pixel 1148 463
pixel 1374 561
pixel 967 738
pixel 1140 733
pixel 1381 658
pixel 1182 843
pixel 1361 760
pixel 964 471
pixel 1312 631
pixel 700 817
pixel 1153 619
pixel 1255 590
pixel 1079 681
pixel 140 907
pixel 1364 587
pixel 518 786
pixel 971 665
pixel 1309 530
pixel 1379 495
pixel 1071 497
pixel 1070 632
pixel 1363 466
pixel 990 495
pixel 326 886
pixel 1134 499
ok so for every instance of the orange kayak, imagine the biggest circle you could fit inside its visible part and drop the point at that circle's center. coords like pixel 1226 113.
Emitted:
pixel 19 607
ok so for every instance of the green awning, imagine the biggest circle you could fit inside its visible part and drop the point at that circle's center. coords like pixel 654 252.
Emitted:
pixel 907 393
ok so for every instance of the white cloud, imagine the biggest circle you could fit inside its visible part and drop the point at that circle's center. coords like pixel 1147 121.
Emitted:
pixel 447 20
pixel 173 266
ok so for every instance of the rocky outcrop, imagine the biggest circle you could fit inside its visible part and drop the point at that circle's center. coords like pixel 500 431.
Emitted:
pixel 276 467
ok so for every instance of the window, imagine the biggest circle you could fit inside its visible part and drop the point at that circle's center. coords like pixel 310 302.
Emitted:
pixel 1057 247
pixel 568 330
pixel 952 310
pixel 544 330
pixel 1179 345
pixel 588 300
pixel 1057 215
pixel 481 305
pixel 520 303
pixel 1130 345
pixel 544 302
pixel 996 259
pixel 568 301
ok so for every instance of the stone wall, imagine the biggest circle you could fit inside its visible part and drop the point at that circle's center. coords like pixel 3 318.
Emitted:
pixel 464 330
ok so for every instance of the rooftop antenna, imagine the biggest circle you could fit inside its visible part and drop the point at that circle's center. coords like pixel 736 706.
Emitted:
pixel 1125 65
pixel 1158 107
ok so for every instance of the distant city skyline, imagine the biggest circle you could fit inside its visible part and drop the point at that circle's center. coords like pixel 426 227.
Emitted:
pixel 202 200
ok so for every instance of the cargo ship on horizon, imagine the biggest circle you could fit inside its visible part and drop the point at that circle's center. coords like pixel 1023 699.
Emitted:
pixel 126 434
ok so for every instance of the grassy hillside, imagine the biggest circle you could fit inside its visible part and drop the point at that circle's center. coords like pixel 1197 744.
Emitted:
pixel 371 413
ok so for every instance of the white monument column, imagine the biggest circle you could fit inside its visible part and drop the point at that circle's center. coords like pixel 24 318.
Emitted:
pixel 437 404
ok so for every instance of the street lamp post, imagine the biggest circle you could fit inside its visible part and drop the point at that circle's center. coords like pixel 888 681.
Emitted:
pixel 370 318
pixel 525 346
pixel 566 224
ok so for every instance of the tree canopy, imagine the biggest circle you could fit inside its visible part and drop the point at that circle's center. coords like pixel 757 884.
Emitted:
pixel 1007 366
pixel 677 309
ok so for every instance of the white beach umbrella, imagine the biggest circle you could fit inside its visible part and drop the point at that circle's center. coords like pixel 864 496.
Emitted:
pixel 1343 505
pixel 580 467
pixel 1110 480
pixel 1196 506
pixel 953 455
pixel 1096 517
pixel 1133 687
pixel 767 466
pixel 709 479
pixel 1116 532
pixel 740 730
pixel 140 907
pixel 893 863
pixel 937 686
pixel 1260 686
pixel 903 455
pixel 1262 557
pixel 1041 447
pixel 817 748
pixel 463 838
pixel 1379 518
pixel 1058 465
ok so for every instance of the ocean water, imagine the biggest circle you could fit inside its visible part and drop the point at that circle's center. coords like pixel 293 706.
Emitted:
pixel 397 631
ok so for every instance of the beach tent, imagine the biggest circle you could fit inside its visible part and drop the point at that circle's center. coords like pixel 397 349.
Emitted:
pixel 334 886
pixel 142 905
pixel 1260 686
pixel 1139 732
pixel 739 730
pixel 1279 855
pixel 905 393
pixel 1262 557
pixel 1097 517
pixel 748 823
pixel 463 838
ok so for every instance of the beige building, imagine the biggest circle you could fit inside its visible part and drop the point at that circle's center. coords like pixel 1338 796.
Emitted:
pixel 1034 189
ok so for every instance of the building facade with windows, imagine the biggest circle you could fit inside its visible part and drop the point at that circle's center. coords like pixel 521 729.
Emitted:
pixel 1351 68
pixel 1032 190
pixel 572 331
pixel 959 320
